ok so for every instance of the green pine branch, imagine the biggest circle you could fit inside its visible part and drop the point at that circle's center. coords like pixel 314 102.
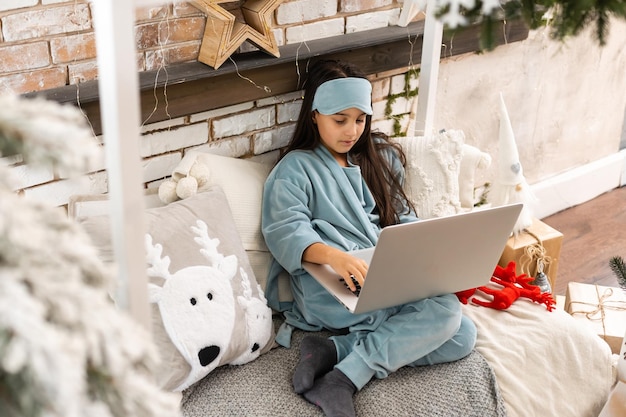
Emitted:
pixel 619 269
pixel 564 18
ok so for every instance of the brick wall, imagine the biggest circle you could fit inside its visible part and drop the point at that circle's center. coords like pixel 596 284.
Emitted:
pixel 251 129
pixel 50 43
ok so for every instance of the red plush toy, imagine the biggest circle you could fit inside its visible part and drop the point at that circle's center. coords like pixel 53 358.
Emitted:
pixel 514 287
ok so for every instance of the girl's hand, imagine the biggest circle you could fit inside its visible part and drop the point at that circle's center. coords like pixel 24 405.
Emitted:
pixel 342 262
pixel 349 266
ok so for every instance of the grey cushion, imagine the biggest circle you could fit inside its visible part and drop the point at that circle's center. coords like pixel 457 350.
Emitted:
pixel 263 388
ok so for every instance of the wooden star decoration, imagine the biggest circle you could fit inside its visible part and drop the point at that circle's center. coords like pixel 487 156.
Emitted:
pixel 223 34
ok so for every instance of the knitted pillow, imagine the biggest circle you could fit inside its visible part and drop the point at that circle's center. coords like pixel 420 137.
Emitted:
pixel 432 172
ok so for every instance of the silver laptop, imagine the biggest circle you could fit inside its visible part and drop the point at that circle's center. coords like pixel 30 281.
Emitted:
pixel 426 258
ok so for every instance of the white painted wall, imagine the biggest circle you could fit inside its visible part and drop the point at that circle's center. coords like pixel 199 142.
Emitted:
pixel 566 101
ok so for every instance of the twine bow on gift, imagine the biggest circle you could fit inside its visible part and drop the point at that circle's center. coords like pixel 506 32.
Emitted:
pixel 601 307
pixel 536 256
pixel 535 253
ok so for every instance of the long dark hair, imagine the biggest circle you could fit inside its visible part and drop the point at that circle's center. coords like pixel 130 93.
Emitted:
pixel 391 201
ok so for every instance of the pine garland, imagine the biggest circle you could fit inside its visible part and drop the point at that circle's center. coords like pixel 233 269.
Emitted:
pixel 564 18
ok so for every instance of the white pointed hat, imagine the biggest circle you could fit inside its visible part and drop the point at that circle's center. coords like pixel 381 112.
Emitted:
pixel 510 170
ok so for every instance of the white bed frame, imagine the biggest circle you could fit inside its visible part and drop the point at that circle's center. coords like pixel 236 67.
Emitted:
pixel 114 23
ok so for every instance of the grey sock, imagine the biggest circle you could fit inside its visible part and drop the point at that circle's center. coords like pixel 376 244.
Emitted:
pixel 333 394
pixel 317 356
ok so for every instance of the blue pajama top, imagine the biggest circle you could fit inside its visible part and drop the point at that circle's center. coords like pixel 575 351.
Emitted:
pixel 308 198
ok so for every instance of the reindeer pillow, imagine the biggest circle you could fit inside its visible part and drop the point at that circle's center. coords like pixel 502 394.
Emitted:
pixel 208 309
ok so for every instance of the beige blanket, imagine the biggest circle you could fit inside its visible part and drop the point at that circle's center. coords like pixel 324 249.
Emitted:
pixel 546 363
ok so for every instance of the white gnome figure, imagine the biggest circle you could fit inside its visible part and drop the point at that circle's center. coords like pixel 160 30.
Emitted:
pixel 191 300
pixel 510 185
pixel 258 320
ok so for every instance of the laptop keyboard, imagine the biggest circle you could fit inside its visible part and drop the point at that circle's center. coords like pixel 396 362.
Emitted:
pixel 357 291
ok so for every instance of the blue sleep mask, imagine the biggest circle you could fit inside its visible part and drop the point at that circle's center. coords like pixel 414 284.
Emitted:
pixel 343 93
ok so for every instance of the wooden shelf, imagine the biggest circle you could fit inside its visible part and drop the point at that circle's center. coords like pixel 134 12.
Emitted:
pixel 194 87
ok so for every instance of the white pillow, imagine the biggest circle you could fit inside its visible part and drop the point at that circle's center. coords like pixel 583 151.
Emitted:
pixel 432 172
pixel 242 181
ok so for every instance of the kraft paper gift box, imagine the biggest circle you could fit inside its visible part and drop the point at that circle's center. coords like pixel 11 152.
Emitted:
pixel 523 247
pixel 603 308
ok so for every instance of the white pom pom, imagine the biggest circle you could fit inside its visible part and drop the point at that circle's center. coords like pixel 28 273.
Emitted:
pixel 167 192
pixel 186 187
pixel 201 173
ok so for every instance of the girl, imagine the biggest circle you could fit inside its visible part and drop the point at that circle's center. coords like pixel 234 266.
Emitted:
pixel 335 187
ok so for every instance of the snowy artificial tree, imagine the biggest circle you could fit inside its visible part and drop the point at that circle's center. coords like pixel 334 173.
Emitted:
pixel 65 349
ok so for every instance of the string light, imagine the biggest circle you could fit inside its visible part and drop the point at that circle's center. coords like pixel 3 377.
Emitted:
pixel 265 88
pixel 161 67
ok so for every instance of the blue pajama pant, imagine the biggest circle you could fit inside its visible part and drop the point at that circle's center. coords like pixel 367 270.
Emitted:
pixel 425 332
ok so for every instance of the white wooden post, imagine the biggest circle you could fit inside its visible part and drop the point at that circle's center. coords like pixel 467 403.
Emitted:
pixel 119 104
pixel 429 72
